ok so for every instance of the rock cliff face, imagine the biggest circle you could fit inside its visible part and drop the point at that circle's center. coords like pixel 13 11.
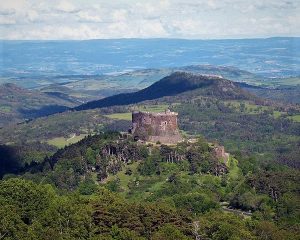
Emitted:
pixel 155 127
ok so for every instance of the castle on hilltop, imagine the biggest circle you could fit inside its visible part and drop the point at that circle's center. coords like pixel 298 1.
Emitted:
pixel 156 127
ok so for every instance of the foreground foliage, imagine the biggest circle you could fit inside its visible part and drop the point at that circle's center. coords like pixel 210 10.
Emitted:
pixel 110 187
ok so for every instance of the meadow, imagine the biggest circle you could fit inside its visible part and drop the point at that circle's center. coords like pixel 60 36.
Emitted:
pixel 61 142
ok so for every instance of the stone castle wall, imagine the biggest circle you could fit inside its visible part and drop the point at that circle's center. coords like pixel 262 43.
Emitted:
pixel 162 127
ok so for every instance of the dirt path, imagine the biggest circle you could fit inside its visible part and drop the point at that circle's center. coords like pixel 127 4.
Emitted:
pixel 71 137
pixel 236 211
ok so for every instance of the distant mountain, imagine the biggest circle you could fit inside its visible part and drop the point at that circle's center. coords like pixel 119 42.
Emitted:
pixel 173 84
pixel 140 79
pixel 18 104
pixel 90 88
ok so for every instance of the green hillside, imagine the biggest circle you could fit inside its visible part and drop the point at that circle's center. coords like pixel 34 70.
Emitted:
pixel 104 187
pixel 213 107
pixel 18 104
pixel 68 176
pixel 173 84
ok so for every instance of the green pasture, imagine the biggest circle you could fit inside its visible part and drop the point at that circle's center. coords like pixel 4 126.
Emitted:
pixel 144 108
pixel 290 81
pixel 5 108
pixel 61 142
pixel 295 118
pixel 120 116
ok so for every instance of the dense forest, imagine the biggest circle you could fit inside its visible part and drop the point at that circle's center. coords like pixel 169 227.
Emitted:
pixel 108 186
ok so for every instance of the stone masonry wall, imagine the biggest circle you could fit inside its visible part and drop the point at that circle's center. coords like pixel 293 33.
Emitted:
pixel 155 127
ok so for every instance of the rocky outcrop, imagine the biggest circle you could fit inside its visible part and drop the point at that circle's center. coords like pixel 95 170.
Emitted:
pixel 219 152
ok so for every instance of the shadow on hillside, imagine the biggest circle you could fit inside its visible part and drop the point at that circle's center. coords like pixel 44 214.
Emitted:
pixel 9 160
pixel 41 112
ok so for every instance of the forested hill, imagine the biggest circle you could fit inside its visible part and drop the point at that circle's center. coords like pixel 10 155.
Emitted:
pixel 108 186
pixel 173 84
pixel 18 104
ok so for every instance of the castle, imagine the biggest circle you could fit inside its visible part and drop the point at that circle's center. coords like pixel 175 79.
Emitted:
pixel 156 127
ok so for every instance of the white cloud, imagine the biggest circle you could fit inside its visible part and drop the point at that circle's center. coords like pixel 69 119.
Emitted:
pixel 66 6
pixel 120 15
pixel 32 15
pixel 13 4
pixel 6 20
pixel 89 16
pixel 7 12
pixel 84 19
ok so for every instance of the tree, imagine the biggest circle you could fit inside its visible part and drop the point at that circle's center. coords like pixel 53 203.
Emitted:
pixel 114 185
pixel 218 225
pixel 87 187
pixel 124 234
pixel 195 203
pixel 68 217
pixel 90 156
pixel 269 231
pixel 11 224
pixel 149 166
pixel 30 199
pixel 169 232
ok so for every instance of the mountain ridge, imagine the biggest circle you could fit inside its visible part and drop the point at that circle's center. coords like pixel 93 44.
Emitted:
pixel 173 84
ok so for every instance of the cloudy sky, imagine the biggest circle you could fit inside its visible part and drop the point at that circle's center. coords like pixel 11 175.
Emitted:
pixel 192 19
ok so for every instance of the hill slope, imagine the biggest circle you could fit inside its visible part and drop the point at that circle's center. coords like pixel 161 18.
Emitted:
pixel 176 83
pixel 104 187
pixel 18 104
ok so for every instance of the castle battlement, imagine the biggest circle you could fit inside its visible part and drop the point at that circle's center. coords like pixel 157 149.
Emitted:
pixel 153 127
pixel 165 113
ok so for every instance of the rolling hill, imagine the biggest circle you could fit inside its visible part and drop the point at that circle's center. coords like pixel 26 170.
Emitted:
pixel 173 84
pixel 18 104
pixel 211 106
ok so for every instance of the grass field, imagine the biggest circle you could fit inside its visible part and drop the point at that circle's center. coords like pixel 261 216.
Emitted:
pixel 5 109
pixel 120 116
pixel 144 108
pixel 277 114
pixel 153 108
pixel 291 81
pixel 295 118
pixel 61 142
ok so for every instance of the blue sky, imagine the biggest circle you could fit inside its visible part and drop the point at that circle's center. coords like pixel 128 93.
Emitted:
pixel 191 19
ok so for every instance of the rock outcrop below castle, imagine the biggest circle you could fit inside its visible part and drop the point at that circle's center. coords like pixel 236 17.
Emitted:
pixel 219 152
pixel 156 127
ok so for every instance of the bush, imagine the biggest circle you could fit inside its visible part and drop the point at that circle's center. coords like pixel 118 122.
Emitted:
pixel 87 187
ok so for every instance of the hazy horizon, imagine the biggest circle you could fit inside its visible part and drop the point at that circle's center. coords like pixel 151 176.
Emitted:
pixel 155 38
pixel 272 57
pixel 178 19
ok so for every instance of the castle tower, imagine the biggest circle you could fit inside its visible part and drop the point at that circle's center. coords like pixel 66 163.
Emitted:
pixel 154 127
